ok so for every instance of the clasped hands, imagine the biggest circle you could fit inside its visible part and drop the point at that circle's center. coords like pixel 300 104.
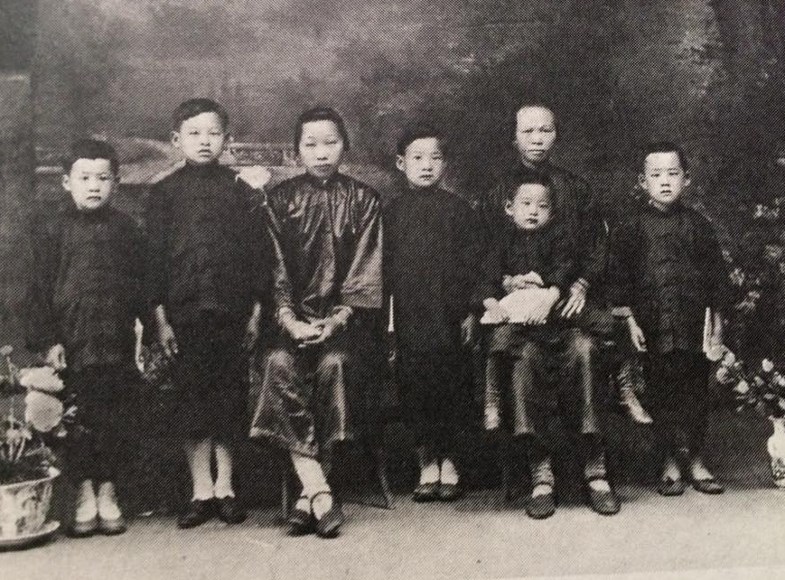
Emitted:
pixel 313 332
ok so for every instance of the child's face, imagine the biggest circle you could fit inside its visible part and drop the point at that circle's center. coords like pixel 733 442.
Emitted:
pixel 663 178
pixel 321 148
pixel 535 134
pixel 90 182
pixel 423 163
pixel 201 138
pixel 531 208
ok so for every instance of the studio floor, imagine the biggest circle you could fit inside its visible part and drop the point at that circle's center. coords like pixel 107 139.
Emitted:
pixel 736 535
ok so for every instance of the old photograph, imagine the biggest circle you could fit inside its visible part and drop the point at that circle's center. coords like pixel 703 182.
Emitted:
pixel 435 289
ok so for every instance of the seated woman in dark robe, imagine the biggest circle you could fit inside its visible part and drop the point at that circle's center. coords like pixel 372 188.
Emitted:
pixel 327 230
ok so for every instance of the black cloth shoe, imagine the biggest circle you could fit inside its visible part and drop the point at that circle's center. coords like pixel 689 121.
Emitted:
pixel 230 511
pixel 708 486
pixel 426 492
pixel 671 487
pixel 605 503
pixel 300 521
pixel 199 511
pixel 83 529
pixel 449 491
pixel 540 507
pixel 329 525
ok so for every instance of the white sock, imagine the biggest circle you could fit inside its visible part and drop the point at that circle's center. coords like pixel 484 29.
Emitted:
pixel 448 474
pixel 224 463
pixel 542 489
pixel 311 476
pixel 600 485
pixel 86 502
pixel 107 502
pixel 429 465
pixel 199 454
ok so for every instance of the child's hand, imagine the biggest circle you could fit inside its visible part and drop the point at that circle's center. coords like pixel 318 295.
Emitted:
pixel 468 330
pixel 55 357
pixel 168 340
pixel 636 335
pixel 256 176
pixel 251 334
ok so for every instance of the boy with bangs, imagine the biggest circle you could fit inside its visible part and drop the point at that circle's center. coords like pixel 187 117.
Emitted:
pixel 206 280
pixel 430 259
pixel 666 269
pixel 83 298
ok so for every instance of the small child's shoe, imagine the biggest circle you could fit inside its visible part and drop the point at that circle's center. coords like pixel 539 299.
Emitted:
pixel 110 518
pixel 85 521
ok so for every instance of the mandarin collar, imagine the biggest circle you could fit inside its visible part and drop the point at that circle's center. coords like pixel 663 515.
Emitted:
pixel 674 208
pixel 322 183
pixel 91 216
pixel 202 170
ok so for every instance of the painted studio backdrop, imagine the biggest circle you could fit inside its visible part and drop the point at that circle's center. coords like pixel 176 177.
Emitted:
pixel 619 73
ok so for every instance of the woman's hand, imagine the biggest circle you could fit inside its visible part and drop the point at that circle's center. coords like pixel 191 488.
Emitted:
pixel 577 299
pixel 636 335
pixel 55 357
pixel 168 340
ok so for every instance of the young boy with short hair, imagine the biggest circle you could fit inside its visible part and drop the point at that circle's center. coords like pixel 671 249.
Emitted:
pixel 533 259
pixel 431 246
pixel 666 269
pixel 205 287
pixel 83 298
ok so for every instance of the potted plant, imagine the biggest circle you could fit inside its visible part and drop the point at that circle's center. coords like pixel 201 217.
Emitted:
pixel 27 462
pixel 763 390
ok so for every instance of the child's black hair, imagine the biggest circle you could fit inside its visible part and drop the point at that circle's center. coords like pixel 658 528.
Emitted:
pixel 193 107
pixel 664 147
pixel 91 149
pixel 533 179
pixel 320 114
pixel 420 131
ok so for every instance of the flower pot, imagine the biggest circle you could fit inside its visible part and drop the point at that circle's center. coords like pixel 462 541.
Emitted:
pixel 776 448
pixel 24 506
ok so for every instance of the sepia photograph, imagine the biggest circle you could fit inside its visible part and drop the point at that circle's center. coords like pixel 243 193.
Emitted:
pixel 370 289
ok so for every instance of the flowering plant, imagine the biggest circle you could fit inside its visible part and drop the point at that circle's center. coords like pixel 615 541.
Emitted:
pixel 25 453
pixel 763 390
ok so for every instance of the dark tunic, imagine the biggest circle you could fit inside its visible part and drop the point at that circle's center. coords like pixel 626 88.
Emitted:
pixel 329 238
pixel 207 266
pixel 430 266
pixel 548 252
pixel 578 210
pixel 84 290
pixel 668 267
pixel 207 245
pixel 431 246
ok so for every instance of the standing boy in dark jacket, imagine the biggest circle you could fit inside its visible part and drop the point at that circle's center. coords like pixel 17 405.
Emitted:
pixel 430 261
pixel 83 298
pixel 666 270
pixel 205 282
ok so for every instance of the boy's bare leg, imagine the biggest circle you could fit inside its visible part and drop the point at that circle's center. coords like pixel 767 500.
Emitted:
pixel 198 452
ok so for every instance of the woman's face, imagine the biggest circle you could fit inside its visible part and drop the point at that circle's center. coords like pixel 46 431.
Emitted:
pixel 321 148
